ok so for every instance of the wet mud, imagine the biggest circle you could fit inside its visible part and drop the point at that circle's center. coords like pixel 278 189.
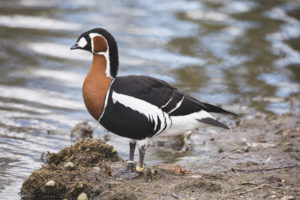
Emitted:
pixel 258 159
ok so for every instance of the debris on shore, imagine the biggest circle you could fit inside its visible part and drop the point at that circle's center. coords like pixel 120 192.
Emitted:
pixel 259 160
pixel 82 131
pixel 82 167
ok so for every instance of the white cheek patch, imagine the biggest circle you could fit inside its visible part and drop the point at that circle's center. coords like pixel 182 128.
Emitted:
pixel 82 42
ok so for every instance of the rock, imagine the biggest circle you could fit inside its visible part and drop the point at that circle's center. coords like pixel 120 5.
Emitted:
pixel 288 197
pixel 124 195
pixel 96 169
pixel 82 196
pixel 107 138
pixel 69 165
pixel 82 131
pixel 171 169
pixel 50 183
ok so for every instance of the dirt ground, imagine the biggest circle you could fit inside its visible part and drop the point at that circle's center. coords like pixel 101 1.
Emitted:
pixel 258 159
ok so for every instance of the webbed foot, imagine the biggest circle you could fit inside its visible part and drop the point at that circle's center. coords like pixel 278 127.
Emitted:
pixel 130 172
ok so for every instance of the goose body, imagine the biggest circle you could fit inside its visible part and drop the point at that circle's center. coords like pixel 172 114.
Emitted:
pixel 136 107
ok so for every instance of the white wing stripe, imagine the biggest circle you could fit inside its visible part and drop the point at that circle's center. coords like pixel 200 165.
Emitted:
pixel 166 103
pixel 177 105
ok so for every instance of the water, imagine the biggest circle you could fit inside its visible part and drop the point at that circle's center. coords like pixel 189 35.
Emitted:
pixel 244 55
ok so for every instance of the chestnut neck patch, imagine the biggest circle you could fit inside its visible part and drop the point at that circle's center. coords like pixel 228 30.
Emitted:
pixel 100 44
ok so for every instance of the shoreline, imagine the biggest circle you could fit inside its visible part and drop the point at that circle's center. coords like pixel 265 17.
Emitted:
pixel 258 159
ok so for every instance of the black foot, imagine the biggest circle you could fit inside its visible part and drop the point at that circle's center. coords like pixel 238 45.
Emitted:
pixel 130 166
pixel 128 173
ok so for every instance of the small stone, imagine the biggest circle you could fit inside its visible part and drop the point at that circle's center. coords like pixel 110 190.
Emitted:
pixel 268 159
pixel 79 185
pixel 82 131
pixel 171 169
pixel 288 197
pixel 107 138
pixel 259 114
pixel 153 171
pixel 50 183
pixel 69 165
pixel 82 196
pixel 96 169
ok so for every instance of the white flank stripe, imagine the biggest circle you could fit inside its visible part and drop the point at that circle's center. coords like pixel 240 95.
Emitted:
pixel 152 112
pixel 177 105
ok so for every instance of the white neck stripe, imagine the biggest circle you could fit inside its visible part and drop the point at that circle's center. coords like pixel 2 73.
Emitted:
pixel 105 54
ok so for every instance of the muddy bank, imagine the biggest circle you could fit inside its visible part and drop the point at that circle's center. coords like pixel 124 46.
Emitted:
pixel 258 159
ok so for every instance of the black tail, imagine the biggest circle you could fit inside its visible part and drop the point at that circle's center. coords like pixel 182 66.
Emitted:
pixel 215 109
pixel 213 122
pixel 208 107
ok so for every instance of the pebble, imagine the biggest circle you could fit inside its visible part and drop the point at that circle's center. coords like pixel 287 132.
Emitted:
pixel 107 138
pixel 69 165
pixel 83 196
pixel 288 197
pixel 96 168
pixel 50 183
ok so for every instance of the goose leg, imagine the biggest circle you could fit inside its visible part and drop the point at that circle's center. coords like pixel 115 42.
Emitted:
pixel 129 172
pixel 140 164
pixel 130 162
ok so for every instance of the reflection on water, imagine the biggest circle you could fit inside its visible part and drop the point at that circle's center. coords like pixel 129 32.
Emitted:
pixel 235 53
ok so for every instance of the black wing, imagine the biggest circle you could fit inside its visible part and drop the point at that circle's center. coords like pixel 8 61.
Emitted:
pixel 161 94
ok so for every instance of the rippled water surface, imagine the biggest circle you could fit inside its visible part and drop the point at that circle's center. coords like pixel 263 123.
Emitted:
pixel 244 55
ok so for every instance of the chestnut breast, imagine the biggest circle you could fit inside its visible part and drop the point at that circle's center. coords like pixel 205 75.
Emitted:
pixel 95 86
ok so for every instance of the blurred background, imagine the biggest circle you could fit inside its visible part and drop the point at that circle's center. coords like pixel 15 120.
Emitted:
pixel 241 54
